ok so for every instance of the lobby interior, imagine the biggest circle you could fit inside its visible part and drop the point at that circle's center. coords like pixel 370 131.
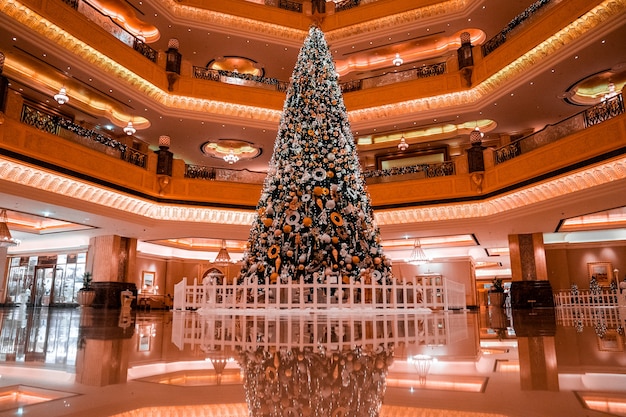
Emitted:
pixel 538 69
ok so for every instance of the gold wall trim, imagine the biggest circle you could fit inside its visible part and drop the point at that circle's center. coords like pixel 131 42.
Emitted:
pixel 205 18
pixel 40 179
pixel 20 174
pixel 598 175
pixel 587 23
pixel 47 29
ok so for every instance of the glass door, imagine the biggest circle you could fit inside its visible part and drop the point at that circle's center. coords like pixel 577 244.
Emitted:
pixel 41 293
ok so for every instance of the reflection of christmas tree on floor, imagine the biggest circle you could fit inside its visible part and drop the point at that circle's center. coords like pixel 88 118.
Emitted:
pixel 314 223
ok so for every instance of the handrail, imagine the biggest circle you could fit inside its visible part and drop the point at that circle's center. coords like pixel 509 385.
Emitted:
pixel 500 38
pixel 120 33
pixel 230 77
pixel 61 126
pixel 597 114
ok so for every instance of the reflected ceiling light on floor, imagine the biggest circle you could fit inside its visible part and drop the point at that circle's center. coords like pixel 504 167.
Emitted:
pixel 62 97
pixel 231 158
pixel 6 239
pixel 397 61
pixel 422 366
pixel 222 258
pixel 403 146
pixel 418 256
pixel 129 129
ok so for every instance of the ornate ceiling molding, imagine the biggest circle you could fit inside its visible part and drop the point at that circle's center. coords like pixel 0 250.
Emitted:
pixel 47 29
pixel 443 8
pixel 40 179
pixel 585 24
pixel 208 18
pixel 548 48
pixel 595 176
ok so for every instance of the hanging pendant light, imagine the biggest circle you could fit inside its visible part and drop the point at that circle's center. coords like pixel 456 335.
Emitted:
pixel 231 158
pixel 222 258
pixel 129 129
pixel 397 61
pixel 6 239
pixel 418 256
pixel 62 97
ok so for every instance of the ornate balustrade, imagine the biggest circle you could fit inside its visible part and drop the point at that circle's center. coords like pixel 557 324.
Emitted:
pixel 500 38
pixel 108 24
pixel 237 78
pixel 60 126
pixel 597 114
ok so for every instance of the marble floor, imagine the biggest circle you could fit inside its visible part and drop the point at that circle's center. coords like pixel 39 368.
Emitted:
pixel 490 362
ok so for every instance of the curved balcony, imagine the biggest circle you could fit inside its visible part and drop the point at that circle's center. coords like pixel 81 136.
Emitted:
pixel 102 163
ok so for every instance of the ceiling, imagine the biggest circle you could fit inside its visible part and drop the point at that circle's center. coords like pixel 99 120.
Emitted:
pixel 532 101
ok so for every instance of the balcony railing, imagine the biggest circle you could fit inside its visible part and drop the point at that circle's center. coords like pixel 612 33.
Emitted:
pixel 395 77
pixel 499 39
pixel 599 113
pixel 60 126
pixel 236 78
pixel 106 23
pixel 200 172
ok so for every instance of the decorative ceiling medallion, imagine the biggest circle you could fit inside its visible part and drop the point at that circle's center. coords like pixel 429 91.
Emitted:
pixel 597 87
pixel 237 64
pixel 223 147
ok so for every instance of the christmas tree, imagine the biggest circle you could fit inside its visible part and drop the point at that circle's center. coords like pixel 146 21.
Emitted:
pixel 314 220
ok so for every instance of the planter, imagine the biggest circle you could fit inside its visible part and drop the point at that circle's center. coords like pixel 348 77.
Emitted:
pixel 85 297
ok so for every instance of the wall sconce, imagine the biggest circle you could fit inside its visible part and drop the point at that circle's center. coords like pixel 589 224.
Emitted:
pixel 129 129
pixel 173 59
pixel 403 146
pixel 397 61
pixel 62 97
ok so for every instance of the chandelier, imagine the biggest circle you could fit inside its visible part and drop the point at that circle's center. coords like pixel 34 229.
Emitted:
pixel 403 146
pixel 6 239
pixel 231 158
pixel 418 256
pixel 62 97
pixel 222 258
pixel 129 129
pixel 397 61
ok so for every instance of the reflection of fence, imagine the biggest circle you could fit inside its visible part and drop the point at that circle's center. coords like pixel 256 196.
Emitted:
pixel 410 293
pixel 588 316
pixel 226 332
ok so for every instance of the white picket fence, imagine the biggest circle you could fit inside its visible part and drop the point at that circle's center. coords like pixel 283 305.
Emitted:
pixel 409 293
pixel 580 298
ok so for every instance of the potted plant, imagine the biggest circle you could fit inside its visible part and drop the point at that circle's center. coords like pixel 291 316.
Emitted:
pixel 86 294
pixel 496 293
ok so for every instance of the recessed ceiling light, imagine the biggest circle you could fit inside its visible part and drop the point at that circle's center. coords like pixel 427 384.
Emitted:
pixel 14 38
pixel 110 91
